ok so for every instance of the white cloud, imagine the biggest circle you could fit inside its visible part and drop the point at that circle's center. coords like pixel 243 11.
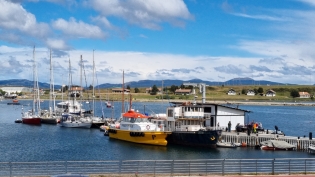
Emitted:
pixel 103 21
pixel 260 17
pixel 63 2
pixel 56 44
pixel 14 17
pixel 292 50
pixel 145 13
pixel 78 29
pixel 142 66
pixel 311 2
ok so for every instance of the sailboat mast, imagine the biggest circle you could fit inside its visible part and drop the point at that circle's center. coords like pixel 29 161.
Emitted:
pixel 93 94
pixel 37 87
pixel 53 87
pixel 50 87
pixel 69 84
pixel 34 83
pixel 123 94
pixel 81 92
pixel 162 88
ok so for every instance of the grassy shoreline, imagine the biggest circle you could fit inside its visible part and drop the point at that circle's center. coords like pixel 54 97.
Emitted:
pixel 224 102
pixel 214 94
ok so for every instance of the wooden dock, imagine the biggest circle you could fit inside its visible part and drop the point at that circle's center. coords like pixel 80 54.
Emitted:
pixel 300 143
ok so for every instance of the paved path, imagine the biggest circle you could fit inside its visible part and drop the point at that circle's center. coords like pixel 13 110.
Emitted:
pixel 146 175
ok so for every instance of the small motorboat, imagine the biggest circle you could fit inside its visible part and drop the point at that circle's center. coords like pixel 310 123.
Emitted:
pixel 18 121
pixel 311 149
pixel 227 144
pixel 276 145
pixel 108 105
pixel 238 144
pixel 14 102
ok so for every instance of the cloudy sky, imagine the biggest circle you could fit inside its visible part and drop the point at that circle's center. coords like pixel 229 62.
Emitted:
pixel 159 39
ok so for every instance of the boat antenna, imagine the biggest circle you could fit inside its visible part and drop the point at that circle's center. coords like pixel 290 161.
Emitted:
pixel 130 104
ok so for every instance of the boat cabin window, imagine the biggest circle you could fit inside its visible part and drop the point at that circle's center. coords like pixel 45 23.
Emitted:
pixel 170 112
pixel 62 106
pixel 133 120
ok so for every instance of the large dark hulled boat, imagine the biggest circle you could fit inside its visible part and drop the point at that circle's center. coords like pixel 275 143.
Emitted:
pixel 190 125
pixel 202 138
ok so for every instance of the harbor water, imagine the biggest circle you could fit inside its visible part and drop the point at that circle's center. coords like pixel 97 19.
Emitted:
pixel 27 143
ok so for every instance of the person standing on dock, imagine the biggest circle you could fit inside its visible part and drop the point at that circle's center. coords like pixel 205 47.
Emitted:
pixel 255 126
pixel 229 126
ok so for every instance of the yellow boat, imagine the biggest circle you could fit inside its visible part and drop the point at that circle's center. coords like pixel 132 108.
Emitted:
pixel 135 127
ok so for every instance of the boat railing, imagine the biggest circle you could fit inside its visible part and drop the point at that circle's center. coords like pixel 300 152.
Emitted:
pixel 192 167
pixel 187 128
pixel 214 128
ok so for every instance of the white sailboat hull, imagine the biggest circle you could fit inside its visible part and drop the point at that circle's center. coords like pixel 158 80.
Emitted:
pixel 76 124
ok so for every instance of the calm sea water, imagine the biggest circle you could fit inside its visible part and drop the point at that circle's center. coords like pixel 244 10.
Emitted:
pixel 20 142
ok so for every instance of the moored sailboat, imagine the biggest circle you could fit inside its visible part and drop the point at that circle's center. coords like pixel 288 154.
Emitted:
pixel 75 121
pixel 97 121
pixel 69 119
pixel 49 116
pixel 32 117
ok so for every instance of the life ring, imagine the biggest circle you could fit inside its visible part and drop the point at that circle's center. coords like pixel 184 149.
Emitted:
pixel 148 127
pixel 212 138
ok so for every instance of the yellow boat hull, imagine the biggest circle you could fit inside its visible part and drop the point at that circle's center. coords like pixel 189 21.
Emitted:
pixel 143 137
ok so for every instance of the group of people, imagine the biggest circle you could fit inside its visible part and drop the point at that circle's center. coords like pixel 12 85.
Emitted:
pixel 252 127
pixel 228 127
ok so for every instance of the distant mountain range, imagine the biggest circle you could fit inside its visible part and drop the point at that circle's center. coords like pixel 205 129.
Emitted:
pixel 22 83
pixel 149 83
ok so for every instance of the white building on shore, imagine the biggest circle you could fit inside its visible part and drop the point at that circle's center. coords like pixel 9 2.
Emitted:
pixel 12 90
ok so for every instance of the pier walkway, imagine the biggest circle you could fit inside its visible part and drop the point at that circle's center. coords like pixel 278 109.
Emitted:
pixel 254 139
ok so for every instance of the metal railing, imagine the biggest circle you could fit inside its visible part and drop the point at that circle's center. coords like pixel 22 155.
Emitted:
pixel 162 167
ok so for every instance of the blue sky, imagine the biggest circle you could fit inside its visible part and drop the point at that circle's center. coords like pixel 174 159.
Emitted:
pixel 159 39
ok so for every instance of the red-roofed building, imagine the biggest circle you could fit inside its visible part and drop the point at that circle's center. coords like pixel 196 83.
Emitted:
pixel 182 91
pixel 119 90
pixel 304 95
